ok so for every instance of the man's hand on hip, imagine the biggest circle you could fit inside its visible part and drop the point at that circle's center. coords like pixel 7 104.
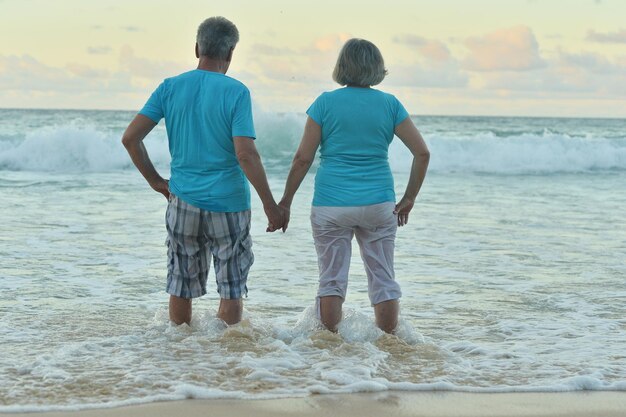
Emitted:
pixel 162 186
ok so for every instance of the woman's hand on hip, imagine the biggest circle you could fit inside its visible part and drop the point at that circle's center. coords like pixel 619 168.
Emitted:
pixel 403 208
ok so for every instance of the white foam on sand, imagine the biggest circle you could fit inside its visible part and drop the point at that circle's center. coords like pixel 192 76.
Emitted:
pixel 256 359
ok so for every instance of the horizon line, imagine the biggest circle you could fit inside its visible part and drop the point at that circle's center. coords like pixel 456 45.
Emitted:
pixel 286 112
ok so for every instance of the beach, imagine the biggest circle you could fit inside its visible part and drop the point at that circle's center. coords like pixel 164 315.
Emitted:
pixel 511 269
pixel 396 404
pixel 128 140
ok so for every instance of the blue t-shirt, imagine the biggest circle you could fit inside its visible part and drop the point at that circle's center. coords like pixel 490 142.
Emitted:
pixel 203 111
pixel 357 128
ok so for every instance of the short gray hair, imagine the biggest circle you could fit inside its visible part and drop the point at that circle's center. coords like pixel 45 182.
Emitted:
pixel 360 63
pixel 216 37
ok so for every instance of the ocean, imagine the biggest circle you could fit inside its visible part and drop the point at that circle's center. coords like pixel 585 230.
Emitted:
pixel 512 269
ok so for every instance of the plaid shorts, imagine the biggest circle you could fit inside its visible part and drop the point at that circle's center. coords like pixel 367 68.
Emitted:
pixel 193 236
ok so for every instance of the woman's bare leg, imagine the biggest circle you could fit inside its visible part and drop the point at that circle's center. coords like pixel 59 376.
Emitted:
pixel 387 315
pixel 330 311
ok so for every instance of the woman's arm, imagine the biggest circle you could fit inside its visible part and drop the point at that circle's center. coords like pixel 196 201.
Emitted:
pixel 302 161
pixel 408 133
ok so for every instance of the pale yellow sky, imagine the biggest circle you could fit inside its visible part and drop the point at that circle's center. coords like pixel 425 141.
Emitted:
pixel 485 57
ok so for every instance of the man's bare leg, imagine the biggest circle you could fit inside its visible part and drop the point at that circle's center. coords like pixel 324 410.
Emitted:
pixel 180 310
pixel 387 315
pixel 230 310
pixel 330 311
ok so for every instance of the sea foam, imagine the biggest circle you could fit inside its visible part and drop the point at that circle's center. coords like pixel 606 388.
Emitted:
pixel 69 148
pixel 526 153
pixel 256 359
pixel 73 148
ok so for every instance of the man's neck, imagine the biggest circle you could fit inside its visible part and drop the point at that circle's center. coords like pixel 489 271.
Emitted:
pixel 213 65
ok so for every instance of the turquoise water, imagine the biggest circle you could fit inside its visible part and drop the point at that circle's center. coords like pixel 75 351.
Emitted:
pixel 511 267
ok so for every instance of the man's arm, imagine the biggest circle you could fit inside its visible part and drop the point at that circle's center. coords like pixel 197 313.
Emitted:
pixel 250 162
pixel 132 139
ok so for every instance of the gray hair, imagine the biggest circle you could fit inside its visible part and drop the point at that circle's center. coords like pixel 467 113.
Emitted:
pixel 216 37
pixel 360 63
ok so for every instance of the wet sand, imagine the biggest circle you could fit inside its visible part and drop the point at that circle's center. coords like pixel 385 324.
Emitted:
pixel 388 404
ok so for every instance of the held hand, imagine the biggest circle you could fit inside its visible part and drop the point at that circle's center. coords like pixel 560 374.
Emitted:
pixel 286 215
pixel 275 217
pixel 402 210
pixel 163 187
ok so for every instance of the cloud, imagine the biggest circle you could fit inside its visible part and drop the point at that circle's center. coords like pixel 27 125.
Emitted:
pixel 584 74
pixel 264 49
pixel 310 67
pixel 311 63
pixel 86 71
pixel 331 43
pixel 427 76
pixel 429 48
pixel 131 28
pixel 508 60
pixel 99 50
pixel 588 61
pixel 26 74
pixel 147 68
pixel 511 49
pixel 289 78
pixel 433 66
pixel 610 37
pixel 28 82
pixel 591 70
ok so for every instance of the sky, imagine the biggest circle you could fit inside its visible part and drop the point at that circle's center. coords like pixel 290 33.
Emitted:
pixel 445 57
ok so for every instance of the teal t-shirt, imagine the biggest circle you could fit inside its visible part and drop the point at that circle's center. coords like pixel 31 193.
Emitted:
pixel 203 111
pixel 357 128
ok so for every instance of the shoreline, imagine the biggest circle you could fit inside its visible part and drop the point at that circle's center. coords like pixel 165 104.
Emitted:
pixel 395 403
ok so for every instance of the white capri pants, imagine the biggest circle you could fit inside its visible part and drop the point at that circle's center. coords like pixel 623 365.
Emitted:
pixel 375 229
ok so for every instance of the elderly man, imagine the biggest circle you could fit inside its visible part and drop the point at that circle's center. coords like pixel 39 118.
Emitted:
pixel 208 117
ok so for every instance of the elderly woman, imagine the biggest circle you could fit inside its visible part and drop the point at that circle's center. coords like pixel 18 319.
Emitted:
pixel 354 190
